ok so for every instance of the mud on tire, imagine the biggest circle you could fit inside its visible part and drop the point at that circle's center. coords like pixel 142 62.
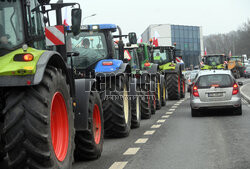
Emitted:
pixel 27 124
pixel 89 143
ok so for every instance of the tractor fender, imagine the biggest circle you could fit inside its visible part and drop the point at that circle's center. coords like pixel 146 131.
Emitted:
pixel 82 91
pixel 123 68
pixel 52 58
pixel 154 69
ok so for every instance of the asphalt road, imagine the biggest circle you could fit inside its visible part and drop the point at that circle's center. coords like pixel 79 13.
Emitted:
pixel 218 140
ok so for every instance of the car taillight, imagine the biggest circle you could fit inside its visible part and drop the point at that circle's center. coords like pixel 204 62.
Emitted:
pixel 107 63
pixel 195 91
pixel 235 89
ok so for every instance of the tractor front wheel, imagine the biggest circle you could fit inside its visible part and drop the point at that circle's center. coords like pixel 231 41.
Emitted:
pixel 38 125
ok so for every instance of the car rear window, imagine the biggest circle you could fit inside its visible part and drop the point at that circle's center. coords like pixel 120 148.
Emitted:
pixel 216 80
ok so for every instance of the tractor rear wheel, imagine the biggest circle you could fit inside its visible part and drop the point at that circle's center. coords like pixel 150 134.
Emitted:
pixel 145 103
pixel 89 143
pixel 38 125
pixel 173 86
pixel 116 108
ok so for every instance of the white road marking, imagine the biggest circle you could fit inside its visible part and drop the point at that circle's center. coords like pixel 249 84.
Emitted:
pixel 156 126
pixel 149 132
pixel 171 109
pixel 174 107
pixel 183 100
pixel 168 113
pixel 177 104
pixel 166 116
pixel 118 165
pixel 141 140
pixel 131 151
pixel 161 121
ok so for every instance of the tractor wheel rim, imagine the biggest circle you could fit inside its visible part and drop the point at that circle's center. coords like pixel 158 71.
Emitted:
pixel 97 125
pixel 159 91
pixel 137 108
pixel 179 84
pixel 125 103
pixel 164 93
pixel 148 100
pixel 59 126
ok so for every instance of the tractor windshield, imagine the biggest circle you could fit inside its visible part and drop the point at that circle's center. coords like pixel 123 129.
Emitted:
pixel 11 26
pixel 236 59
pixel 91 47
pixel 161 57
pixel 214 60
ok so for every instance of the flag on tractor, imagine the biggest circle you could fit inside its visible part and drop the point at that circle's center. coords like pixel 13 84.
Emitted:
pixel 205 52
pixel 65 18
pixel 230 53
pixel 155 39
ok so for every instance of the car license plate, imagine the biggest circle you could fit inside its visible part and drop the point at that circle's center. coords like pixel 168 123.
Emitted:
pixel 215 94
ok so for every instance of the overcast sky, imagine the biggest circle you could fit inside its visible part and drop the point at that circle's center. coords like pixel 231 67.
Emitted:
pixel 215 16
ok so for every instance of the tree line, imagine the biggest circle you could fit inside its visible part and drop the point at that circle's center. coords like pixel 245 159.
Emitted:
pixel 238 42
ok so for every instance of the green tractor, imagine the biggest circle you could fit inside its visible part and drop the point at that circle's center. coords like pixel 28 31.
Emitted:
pixel 39 119
pixel 152 69
pixel 171 68
pixel 214 61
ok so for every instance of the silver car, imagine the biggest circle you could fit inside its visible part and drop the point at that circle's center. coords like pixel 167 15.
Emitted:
pixel 215 89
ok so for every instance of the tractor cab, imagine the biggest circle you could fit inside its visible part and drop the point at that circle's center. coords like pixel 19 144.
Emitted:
pixel 216 61
pixel 145 55
pixel 163 54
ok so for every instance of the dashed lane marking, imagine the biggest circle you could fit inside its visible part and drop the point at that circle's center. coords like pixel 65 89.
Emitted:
pixel 174 107
pixel 177 104
pixel 156 126
pixel 165 117
pixel 141 140
pixel 168 113
pixel 118 165
pixel 161 121
pixel 171 109
pixel 131 151
pixel 149 132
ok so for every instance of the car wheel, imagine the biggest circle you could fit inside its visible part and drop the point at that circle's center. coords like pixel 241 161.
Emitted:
pixel 237 111
pixel 195 113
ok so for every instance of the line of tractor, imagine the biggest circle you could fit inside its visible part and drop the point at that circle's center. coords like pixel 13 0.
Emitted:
pixel 63 89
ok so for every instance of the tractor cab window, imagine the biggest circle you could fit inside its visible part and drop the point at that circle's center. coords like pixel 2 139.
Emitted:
pixel 134 58
pixel 213 60
pixel 161 57
pixel 35 26
pixel 11 25
pixel 91 46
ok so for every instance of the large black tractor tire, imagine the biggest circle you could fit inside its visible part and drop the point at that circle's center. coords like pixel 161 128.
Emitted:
pixel 158 94
pixel 145 103
pixel 163 94
pixel 39 123
pixel 116 108
pixel 89 143
pixel 136 110
pixel 173 86
pixel 183 87
pixel 153 97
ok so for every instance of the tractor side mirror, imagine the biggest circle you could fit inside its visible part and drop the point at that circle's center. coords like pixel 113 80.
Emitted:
pixel 161 50
pixel 132 38
pixel 203 60
pixel 76 17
